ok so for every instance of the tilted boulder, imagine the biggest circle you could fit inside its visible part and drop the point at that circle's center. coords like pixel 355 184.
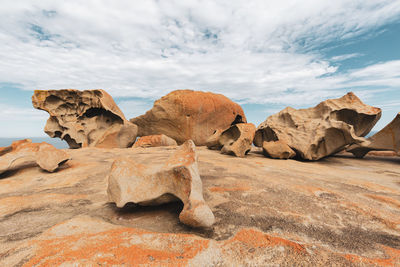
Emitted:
pixel 155 140
pixel 177 179
pixel 24 152
pixel 387 139
pixel 85 118
pixel 278 150
pixel 320 131
pixel 189 115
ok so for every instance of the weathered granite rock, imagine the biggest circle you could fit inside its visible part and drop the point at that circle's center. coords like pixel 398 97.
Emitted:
pixel 155 140
pixel 387 139
pixel 213 141
pixel 278 150
pixel 25 153
pixel 237 139
pixel 85 118
pixel 189 115
pixel 178 178
pixel 341 211
pixel 320 131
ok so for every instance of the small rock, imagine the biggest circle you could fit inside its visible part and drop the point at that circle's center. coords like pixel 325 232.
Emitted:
pixel 278 150
pixel 155 140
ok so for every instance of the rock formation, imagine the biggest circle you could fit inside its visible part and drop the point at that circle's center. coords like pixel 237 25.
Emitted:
pixel 387 139
pixel 155 140
pixel 320 131
pixel 177 178
pixel 24 152
pixel 85 118
pixel 278 150
pixel 236 140
pixel 187 114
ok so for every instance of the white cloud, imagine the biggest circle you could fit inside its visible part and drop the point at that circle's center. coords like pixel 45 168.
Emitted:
pixel 251 51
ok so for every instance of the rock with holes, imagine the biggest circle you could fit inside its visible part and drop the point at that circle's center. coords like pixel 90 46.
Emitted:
pixel 237 139
pixel 85 118
pixel 155 140
pixel 213 141
pixel 320 131
pixel 188 114
pixel 177 179
pixel 278 150
pixel 24 153
pixel 387 139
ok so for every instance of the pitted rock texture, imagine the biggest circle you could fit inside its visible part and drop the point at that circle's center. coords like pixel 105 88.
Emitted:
pixel 387 139
pixel 278 150
pixel 320 131
pixel 339 211
pixel 236 140
pixel 85 118
pixel 154 140
pixel 189 115
pixel 177 178
pixel 23 153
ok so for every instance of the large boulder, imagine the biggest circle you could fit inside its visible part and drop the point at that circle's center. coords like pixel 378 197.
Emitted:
pixel 188 114
pixel 85 118
pixel 146 185
pixel 320 131
pixel 387 139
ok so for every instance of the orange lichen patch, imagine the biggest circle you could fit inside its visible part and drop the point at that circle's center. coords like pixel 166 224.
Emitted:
pixel 392 258
pixel 385 199
pixel 229 189
pixel 118 246
pixel 10 205
pixel 312 190
pixel 256 239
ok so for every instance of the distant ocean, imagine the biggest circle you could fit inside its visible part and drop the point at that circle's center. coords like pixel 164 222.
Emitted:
pixel 57 142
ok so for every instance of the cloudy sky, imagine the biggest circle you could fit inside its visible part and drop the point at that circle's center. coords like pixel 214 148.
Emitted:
pixel 265 55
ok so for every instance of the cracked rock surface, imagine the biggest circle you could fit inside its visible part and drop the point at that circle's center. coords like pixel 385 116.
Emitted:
pixel 189 115
pixel 320 131
pixel 178 178
pixel 85 118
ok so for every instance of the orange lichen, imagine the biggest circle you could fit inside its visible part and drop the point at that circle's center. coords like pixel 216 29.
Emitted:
pixel 392 259
pixel 115 247
pixel 258 239
pixel 385 199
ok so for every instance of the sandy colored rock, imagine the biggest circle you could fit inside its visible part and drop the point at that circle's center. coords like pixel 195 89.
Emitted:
pixel 177 178
pixel 278 150
pixel 237 139
pixel 387 139
pixel 24 153
pixel 85 118
pixel 320 131
pixel 213 141
pixel 189 115
pixel 155 140
pixel 341 211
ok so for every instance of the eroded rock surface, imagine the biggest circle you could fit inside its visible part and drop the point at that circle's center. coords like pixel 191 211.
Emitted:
pixel 341 211
pixel 155 140
pixel 85 118
pixel 320 131
pixel 237 139
pixel 387 139
pixel 177 178
pixel 189 115
pixel 24 152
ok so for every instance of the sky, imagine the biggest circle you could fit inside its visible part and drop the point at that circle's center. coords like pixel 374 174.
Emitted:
pixel 264 55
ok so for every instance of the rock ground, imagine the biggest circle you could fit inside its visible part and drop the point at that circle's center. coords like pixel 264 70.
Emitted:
pixel 338 211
